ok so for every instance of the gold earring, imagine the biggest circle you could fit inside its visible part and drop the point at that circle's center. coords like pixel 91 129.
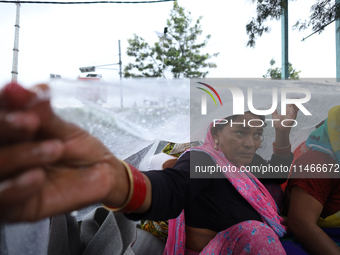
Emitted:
pixel 216 147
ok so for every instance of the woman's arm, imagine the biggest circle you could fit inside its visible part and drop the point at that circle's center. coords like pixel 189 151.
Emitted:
pixel 282 157
pixel 173 189
pixel 283 126
pixel 304 211
pixel 78 170
pixel 56 167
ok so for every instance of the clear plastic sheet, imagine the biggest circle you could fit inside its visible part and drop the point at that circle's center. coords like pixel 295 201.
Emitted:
pixel 156 111
pixel 153 109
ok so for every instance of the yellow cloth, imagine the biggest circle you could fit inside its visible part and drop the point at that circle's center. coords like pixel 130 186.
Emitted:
pixel 332 221
pixel 334 128
pixel 157 228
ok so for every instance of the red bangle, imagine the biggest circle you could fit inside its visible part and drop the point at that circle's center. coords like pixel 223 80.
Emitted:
pixel 137 191
pixel 282 151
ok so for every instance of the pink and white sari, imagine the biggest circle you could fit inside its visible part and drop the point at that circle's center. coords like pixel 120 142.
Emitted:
pixel 249 237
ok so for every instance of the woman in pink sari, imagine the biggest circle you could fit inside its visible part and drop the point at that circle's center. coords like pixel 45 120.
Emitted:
pixel 227 212
pixel 233 147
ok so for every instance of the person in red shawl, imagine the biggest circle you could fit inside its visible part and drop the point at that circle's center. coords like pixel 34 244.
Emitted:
pixel 314 187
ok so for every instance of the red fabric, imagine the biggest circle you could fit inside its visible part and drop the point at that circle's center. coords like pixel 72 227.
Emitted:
pixel 301 149
pixel 325 190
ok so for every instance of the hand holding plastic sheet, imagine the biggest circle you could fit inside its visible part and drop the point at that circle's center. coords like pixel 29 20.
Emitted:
pixel 57 167
pixel 283 125
pixel 285 122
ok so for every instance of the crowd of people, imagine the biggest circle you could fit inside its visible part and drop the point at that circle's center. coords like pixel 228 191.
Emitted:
pixel 49 166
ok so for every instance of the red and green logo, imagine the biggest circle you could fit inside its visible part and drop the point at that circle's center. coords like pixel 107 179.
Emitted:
pixel 209 93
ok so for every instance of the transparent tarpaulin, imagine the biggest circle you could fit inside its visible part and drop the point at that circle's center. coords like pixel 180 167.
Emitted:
pixel 128 116
pixel 170 110
pixel 135 118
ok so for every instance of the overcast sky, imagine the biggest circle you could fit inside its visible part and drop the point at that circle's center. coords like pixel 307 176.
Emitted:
pixel 61 38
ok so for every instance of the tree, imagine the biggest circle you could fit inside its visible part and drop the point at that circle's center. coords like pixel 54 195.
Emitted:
pixel 146 60
pixel 275 73
pixel 182 53
pixel 323 13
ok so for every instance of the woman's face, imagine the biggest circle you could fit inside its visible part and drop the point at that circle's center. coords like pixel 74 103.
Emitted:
pixel 239 142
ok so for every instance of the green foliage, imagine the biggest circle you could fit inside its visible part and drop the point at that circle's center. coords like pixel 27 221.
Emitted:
pixel 181 54
pixel 275 73
pixel 145 59
pixel 323 12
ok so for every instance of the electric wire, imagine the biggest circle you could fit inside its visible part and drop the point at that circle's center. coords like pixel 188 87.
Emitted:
pixel 89 2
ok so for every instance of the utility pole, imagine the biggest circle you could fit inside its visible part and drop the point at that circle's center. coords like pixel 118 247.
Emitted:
pixel 93 68
pixel 284 40
pixel 16 46
pixel 120 61
pixel 120 75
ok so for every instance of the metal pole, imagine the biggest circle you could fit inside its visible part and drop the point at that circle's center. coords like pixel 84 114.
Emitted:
pixel 284 40
pixel 163 57
pixel 120 61
pixel 337 43
pixel 120 75
pixel 16 46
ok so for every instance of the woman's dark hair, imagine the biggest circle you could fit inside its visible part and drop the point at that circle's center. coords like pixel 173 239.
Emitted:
pixel 320 124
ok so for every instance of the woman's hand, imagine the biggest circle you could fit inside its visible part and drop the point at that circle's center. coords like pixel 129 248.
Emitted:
pixel 17 124
pixel 57 167
pixel 23 177
pixel 282 131
pixel 288 119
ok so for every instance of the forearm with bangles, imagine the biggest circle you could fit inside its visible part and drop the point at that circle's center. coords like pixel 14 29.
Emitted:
pixel 137 191
pixel 282 138
pixel 282 151
pixel 282 146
